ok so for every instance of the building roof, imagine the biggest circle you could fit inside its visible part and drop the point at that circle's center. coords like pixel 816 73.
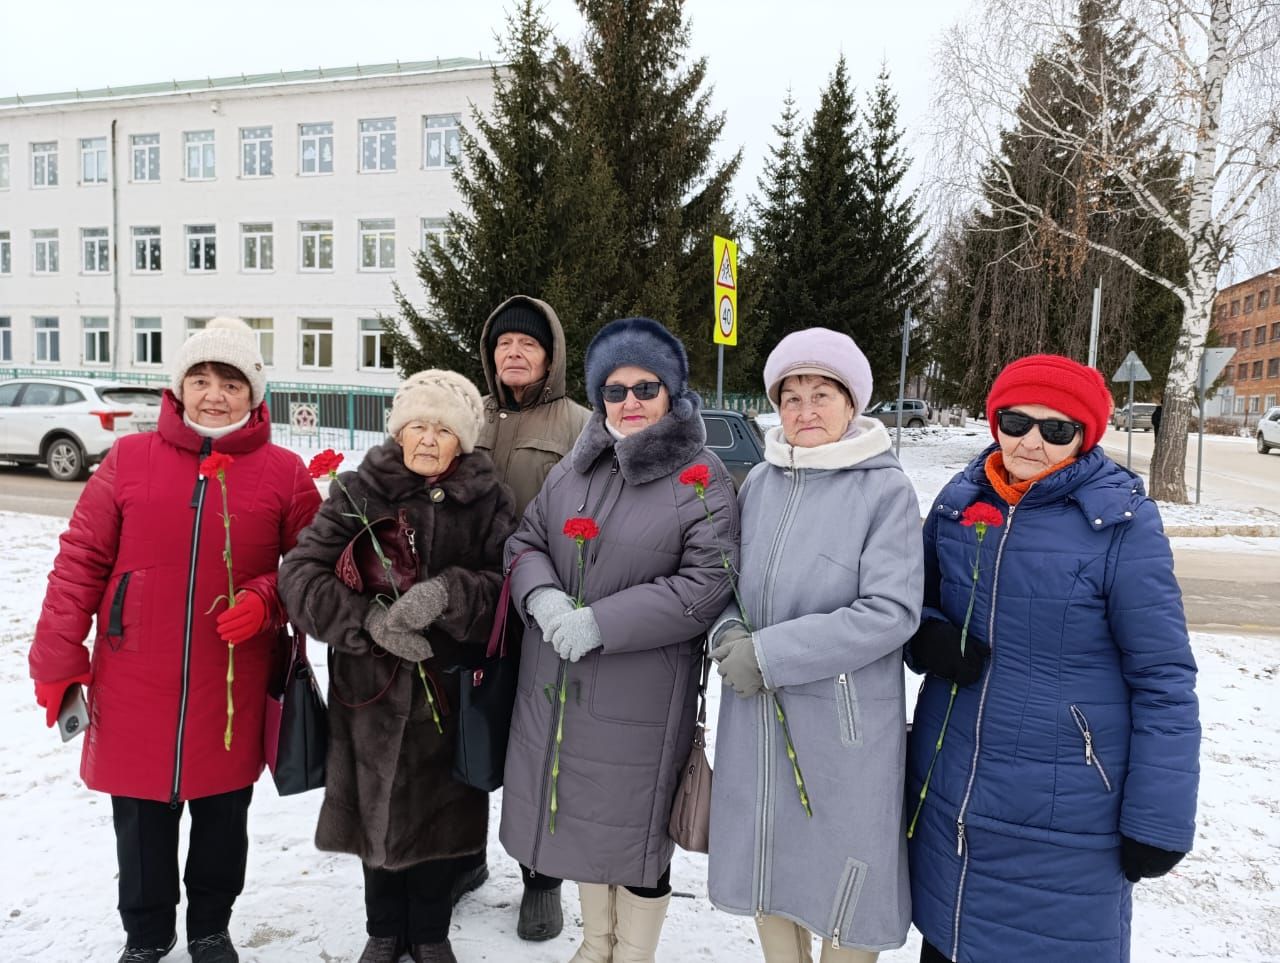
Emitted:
pixel 359 71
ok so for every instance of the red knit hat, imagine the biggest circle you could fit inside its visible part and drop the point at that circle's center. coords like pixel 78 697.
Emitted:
pixel 1079 392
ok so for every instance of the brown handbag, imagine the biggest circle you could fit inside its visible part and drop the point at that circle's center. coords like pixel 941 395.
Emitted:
pixel 690 824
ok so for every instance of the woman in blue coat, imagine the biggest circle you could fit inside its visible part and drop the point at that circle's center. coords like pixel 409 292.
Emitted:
pixel 1070 763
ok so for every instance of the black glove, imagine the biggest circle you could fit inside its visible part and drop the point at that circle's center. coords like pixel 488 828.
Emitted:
pixel 935 648
pixel 1141 861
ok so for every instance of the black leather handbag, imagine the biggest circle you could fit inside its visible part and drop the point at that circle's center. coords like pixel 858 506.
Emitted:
pixel 295 729
pixel 486 698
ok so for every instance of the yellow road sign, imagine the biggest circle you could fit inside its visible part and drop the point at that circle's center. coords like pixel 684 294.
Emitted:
pixel 724 265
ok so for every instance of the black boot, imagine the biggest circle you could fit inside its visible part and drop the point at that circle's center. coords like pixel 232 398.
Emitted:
pixel 432 953
pixel 540 915
pixel 468 879
pixel 216 948
pixel 147 954
pixel 382 949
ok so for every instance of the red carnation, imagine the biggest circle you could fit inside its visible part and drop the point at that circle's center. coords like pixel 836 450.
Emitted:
pixel 582 529
pixel 325 463
pixel 215 465
pixel 697 475
pixel 980 513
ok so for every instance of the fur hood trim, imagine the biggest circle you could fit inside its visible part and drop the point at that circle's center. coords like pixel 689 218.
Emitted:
pixel 660 450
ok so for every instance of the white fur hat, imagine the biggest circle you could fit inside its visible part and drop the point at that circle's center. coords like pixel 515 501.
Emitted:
pixel 225 341
pixel 443 397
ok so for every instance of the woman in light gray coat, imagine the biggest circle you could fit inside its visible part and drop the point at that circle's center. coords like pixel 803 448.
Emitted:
pixel 831 577
pixel 652 582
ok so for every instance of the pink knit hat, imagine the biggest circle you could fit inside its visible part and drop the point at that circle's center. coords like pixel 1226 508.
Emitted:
pixel 820 351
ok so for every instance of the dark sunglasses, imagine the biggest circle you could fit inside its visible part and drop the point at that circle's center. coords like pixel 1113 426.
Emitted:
pixel 643 390
pixel 1056 431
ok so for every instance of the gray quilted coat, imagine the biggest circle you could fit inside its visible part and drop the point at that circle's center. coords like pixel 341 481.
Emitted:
pixel 655 582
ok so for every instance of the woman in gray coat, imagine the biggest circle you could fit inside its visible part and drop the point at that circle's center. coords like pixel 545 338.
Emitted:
pixel 831 578
pixel 649 584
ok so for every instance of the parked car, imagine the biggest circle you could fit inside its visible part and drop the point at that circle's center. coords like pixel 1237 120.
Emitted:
pixel 1269 431
pixel 915 412
pixel 69 424
pixel 1141 417
pixel 731 435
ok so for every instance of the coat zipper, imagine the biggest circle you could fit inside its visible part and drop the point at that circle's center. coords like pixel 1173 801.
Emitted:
pixel 842 907
pixel 1090 757
pixel 961 848
pixel 197 502
pixel 844 696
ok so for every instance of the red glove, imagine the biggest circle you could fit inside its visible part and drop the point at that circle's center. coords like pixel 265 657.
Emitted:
pixel 49 695
pixel 245 619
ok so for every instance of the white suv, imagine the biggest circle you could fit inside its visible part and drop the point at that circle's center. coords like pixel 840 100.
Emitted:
pixel 1269 431
pixel 68 424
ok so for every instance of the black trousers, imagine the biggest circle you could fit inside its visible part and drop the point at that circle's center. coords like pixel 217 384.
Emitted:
pixel 147 852
pixel 415 904
pixel 931 954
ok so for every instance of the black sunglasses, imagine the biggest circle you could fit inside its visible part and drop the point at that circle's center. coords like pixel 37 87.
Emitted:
pixel 1056 431
pixel 643 390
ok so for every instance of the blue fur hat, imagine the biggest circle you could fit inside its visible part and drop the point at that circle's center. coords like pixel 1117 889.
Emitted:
pixel 644 343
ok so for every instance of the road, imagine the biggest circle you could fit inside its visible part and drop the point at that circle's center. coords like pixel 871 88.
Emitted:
pixel 1236 589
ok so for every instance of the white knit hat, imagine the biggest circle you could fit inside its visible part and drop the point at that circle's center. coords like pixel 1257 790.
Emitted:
pixel 225 341
pixel 439 397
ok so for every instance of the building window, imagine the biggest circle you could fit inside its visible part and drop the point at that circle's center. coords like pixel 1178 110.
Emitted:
pixel 433 227
pixel 95 245
pixel 1231 340
pixel 1275 328
pixel 1270 402
pixel 1273 369
pixel 146 249
pixel 48 350
pixel 146 156
pixel 93 160
pixel 1260 334
pixel 1255 404
pixel 1235 308
pixel 1242 372
pixel 44 251
pixel 265 333
pixel 97 340
pixel 44 164
pixel 378 144
pixel 202 247
pixel 1275 295
pixel 6 253
pixel 1248 304
pixel 441 140
pixel 317 245
pixel 1244 338
pixel 1264 299
pixel 317 343
pixel 4 167
pixel 6 339
pixel 378 245
pixel 147 338
pixel 199 150
pixel 375 353
pixel 255 152
pixel 257 243
pixel 316 148
pixel 1256 374
pixel 1239 406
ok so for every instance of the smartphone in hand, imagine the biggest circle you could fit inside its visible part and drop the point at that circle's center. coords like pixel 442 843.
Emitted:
pixel 73 717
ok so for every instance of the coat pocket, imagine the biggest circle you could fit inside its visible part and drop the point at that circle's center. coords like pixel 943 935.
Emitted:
pixel 846 900
pixel 119 620
pixel 847 710
pixel 1090 754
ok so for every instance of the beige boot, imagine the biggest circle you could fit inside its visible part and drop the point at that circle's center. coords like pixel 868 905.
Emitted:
pixel 832 955
pixel 597 923
pixel 784 941
pixel 637 926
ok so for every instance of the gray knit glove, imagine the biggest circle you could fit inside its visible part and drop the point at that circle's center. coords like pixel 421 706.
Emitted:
pixel 576 634
pixel 420 606
pixel 548 606
pixel 736 661
pixel 407 645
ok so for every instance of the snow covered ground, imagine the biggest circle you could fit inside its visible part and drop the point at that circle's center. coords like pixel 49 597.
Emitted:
pixel 57 897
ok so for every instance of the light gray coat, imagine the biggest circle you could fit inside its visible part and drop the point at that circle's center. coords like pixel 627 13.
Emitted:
pixel 832 575
pixel 655 582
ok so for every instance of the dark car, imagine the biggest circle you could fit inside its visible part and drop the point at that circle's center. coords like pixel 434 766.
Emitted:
pixel 732 436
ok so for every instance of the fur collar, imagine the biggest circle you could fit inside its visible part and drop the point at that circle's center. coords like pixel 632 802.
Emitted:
pixel 872 439
pixel 383 473
pixel 658 451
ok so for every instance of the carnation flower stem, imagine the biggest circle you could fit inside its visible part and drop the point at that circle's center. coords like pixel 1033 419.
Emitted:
pixel 555 759
pixel 231 603
pixel 426 687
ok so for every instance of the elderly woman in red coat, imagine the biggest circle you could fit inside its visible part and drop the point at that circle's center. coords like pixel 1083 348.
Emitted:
pixel 144 554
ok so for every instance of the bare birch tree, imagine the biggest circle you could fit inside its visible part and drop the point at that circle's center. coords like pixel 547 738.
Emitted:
pixel 1210 71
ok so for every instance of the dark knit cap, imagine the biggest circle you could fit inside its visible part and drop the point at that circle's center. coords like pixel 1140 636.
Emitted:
pixel 521 317
pixel 644 343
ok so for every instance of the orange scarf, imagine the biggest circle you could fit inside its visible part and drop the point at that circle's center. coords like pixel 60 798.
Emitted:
pixel 1005 486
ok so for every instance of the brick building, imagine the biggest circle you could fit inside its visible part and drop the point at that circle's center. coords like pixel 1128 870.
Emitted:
pixel 1247 318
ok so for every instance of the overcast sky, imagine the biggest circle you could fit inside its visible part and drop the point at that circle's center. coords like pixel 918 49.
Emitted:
pixel 755 48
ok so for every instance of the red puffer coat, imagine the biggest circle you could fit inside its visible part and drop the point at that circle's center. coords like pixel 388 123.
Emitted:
pixel 143 553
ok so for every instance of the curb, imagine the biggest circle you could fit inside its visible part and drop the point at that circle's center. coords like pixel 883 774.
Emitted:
pixel 1209 531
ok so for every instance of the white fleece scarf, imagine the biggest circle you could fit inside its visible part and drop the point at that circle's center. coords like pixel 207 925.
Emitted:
pixel 215 433
pixel 870 439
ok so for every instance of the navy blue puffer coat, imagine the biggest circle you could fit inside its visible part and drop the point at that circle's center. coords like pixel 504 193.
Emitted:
pixel 1083 727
